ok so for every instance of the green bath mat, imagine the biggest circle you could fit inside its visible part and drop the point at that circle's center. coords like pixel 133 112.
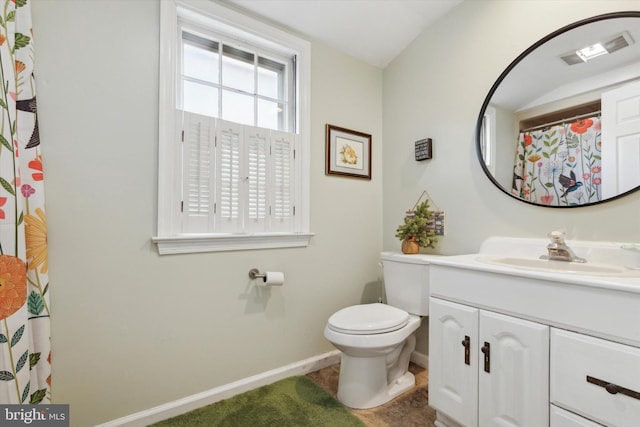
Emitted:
pixel 295 401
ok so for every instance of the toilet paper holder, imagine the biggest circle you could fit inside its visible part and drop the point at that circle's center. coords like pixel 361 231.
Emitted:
pixel 254 273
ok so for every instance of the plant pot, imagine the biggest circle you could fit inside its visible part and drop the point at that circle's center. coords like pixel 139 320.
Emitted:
pixel 410 245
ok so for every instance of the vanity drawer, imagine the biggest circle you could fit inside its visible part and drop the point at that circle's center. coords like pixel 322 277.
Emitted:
pixel 595 378
pixel 560 418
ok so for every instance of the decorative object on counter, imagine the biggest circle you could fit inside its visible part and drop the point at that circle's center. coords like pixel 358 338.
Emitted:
pixel 348 152
pixel 424 149
pixel 416 231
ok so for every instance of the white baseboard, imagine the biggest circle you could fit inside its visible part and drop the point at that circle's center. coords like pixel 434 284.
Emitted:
pixel 181 406
pixel 420 359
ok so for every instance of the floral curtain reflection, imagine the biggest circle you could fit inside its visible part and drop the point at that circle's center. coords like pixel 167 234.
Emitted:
pixel 25 366
pixel 559 165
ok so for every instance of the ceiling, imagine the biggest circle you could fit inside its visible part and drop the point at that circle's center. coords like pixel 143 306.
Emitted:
pixel 560 80
pixel 374 31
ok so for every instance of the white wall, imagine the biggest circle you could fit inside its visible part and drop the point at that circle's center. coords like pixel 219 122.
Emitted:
pixel 436 87
pixel 131 329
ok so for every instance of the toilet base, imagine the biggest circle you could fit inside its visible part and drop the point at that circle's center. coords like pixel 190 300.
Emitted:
pixel 363 382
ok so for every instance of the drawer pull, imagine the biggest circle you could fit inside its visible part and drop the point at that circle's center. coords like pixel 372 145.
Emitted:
pixel 486 350
pixel 466 343
pixel 613 388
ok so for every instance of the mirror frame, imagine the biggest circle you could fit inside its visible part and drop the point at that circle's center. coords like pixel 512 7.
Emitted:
pixel 505 73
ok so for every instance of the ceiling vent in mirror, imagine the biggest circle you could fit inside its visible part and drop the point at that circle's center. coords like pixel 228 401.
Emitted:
pixel 587 53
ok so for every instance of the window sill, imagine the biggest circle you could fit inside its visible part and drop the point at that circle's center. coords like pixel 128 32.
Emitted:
pixel 194 243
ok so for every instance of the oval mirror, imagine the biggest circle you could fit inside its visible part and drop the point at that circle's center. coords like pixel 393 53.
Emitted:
pixel 561 125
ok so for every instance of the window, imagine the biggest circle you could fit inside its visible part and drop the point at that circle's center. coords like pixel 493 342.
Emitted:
pixel 239 84
pixel 234 132
pixel 488 138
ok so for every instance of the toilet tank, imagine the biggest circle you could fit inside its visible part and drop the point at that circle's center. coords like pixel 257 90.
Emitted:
pixel 406 281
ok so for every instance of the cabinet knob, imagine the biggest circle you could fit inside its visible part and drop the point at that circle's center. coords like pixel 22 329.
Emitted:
pixel 612 388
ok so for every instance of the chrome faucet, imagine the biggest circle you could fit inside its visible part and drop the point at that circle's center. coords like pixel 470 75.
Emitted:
pixel 558 249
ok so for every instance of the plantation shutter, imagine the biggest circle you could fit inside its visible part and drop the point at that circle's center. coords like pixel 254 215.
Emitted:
pixel 236 178
pixel 257 148
pixel 198 138
pixel 283 147
pixel 229 178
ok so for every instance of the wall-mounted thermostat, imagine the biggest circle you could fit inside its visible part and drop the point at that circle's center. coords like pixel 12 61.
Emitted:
pixel 423 149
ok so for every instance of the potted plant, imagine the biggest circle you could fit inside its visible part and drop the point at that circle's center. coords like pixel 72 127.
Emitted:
pixel 414 232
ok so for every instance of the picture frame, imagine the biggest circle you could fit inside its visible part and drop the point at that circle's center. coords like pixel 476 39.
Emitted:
pixel 348 153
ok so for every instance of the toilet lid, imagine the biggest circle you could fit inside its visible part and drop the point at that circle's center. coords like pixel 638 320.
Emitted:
pixel 367 319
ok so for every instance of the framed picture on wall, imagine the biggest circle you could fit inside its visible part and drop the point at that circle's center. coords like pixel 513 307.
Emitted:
pixel 348 153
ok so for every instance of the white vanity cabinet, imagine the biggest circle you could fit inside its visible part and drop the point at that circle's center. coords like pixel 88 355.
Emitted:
pixel 486 368
pixel 564 348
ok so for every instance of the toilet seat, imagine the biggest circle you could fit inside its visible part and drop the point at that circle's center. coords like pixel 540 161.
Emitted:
pixel 367 319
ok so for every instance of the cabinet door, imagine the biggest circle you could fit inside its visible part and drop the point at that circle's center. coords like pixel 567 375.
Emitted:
pixel 453 361
pixel 514 382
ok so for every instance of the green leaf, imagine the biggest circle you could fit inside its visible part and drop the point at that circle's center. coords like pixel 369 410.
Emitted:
pixel 7 186
pixel 6 143
pixel 555 150
pixel 15 339
pixel 11 16
pixel 545 155
pixel 596 156
pixel 22 361
pixel 548 184
pixel 20 3
pixel 6 376
pixel 25 392
pixel 3 338
pixel 3 104
pixel 21 41
pixel 20 218
pixel 38 396
pixel 34 358
pixel 35 305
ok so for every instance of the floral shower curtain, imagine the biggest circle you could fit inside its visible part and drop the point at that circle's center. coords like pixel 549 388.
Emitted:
pixel 560 165
pixel 25 366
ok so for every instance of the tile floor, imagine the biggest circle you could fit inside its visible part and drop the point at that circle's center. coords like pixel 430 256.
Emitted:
pixel 409 409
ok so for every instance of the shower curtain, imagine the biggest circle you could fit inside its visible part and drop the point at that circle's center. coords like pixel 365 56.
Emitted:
pixel 25 357
pixel 560 165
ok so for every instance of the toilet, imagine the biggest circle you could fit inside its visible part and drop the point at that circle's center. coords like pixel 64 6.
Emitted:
pixel 376 340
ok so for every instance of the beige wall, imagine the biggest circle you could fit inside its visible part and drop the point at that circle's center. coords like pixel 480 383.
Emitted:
pixel 131 329
pixel 435 89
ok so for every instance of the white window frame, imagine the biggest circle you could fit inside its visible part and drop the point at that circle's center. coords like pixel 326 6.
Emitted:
pixel 488 139
pixel 169 238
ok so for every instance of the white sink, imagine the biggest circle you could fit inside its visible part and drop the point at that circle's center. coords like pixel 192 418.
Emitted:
pixel 537 264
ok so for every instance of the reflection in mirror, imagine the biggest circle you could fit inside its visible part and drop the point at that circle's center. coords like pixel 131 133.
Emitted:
pixel 561 125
